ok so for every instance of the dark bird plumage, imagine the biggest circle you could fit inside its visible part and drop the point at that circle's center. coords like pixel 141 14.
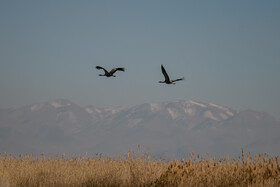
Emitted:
pixel 111 73
pixel 167 80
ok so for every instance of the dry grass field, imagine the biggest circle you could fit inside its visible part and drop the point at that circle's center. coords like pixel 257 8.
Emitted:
pixel 138 170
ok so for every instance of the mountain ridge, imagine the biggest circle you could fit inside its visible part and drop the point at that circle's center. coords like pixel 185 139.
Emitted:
pixel 166 129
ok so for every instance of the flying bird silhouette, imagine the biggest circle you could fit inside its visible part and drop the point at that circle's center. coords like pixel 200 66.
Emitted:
pixel 111 73
pixel 167 80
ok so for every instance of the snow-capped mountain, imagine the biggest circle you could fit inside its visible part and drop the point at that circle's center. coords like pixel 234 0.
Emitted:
pixel 168 129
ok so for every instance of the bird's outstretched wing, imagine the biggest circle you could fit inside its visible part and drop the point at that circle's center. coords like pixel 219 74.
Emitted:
pixel 99 67
pixel 165 74
pixel 116 69
pixel 178 79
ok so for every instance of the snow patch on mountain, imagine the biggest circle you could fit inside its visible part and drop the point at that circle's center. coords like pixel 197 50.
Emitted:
pixel 223 116
pixel 225 109
pixel 189 111
pixel 113 110
pixel 196 103
pixel 172 113
pixel 97 110
pixel 154 107
pixel 88 110
pixel 229 113
pixel 34 107
pixel 56 105
pixel 218 106
pixel 208 114
pixel 60 103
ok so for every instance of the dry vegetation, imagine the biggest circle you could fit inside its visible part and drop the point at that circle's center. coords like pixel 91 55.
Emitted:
pixel 138 170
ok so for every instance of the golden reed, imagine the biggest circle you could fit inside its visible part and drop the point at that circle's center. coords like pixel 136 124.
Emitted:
pixel 138 170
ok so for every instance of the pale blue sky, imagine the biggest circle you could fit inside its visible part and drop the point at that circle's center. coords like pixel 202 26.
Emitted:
pixel 228 52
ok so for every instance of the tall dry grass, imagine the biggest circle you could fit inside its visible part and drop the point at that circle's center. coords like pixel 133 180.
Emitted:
pixel 135 170
pixel 259 170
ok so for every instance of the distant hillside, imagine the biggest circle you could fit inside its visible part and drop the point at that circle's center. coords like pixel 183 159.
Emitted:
pixel 169 129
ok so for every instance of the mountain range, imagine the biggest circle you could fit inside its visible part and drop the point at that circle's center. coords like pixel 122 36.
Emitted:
pixel 171 129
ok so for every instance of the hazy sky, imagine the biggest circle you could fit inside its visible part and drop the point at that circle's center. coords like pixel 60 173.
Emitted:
pixel 228 52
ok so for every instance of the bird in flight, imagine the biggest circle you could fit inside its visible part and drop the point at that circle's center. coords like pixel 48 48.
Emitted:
pixel 167 80
pixel 111 73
